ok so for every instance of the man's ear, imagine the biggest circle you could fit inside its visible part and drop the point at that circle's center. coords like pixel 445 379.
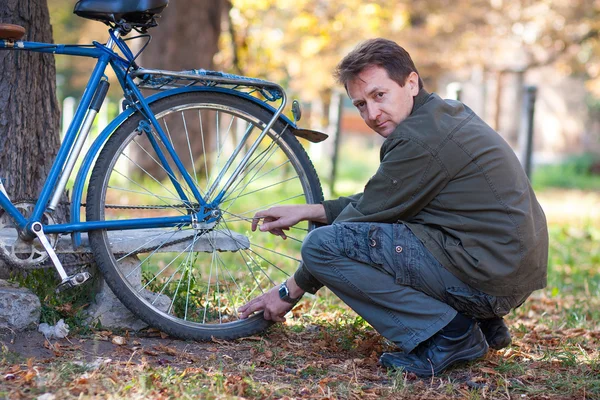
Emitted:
pixel 413 83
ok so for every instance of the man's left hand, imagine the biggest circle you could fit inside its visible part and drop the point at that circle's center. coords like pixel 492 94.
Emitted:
pixel 273 307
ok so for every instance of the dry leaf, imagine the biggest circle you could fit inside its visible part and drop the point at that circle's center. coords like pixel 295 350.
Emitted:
pixel 489 371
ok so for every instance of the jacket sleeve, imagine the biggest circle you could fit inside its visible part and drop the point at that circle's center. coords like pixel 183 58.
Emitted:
pixel 333 208
pixel 409 177
pixel 306 281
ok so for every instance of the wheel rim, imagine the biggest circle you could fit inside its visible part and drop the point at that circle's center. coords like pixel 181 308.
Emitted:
pixel 200 277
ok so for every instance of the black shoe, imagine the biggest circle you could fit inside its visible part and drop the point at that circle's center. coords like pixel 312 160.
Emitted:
pixel 439 352
pixel 496 333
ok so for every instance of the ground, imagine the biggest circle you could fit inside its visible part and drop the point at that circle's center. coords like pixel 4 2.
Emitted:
pixel 326 351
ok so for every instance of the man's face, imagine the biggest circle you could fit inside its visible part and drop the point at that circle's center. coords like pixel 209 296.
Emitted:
pixel 382 102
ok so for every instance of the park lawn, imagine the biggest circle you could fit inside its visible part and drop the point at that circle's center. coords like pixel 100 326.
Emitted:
pixel 327 351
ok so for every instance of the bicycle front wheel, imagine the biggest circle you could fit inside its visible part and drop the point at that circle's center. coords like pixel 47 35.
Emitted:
pixel 189 281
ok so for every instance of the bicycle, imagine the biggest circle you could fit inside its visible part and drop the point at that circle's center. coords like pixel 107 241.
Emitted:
pixel 176 180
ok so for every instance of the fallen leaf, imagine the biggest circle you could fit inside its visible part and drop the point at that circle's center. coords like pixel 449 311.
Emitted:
pixel 29 375
pixel 489 371
pixel 165 349
pixel 219 341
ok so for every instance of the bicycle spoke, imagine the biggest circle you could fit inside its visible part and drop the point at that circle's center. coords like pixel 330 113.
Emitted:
pixel 148 257
pixel 161 166
pixel 203 146
pixel 143 245
pixel 149 175
pixel 239 218
pixel 121 189
pixel 259 190
pixel 192 281
pixel 253 211
pixel 187 137
pixel 257 158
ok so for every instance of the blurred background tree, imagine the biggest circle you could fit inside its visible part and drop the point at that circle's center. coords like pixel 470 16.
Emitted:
pixel 492 47
pixel 299 42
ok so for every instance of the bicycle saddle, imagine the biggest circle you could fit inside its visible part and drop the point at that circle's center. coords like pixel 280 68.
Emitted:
pixel 135 12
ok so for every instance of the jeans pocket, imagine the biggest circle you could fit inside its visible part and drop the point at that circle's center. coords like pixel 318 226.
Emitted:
pixel 472 303
pixel 362 242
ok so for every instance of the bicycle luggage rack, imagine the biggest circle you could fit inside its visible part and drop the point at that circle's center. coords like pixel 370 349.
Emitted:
pixel 156 79
pixel 163 80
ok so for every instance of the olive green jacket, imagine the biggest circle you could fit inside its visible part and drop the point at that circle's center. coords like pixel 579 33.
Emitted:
pixel 461 190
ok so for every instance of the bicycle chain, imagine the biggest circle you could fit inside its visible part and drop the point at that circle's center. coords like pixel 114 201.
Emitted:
pixel 90 258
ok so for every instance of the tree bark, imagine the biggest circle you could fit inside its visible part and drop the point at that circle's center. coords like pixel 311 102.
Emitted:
pixel 187 38
pixel 29 110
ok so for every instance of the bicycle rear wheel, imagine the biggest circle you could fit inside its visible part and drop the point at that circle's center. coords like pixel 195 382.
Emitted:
pixel 190 282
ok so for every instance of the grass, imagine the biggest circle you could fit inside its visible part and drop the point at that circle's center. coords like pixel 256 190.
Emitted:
pixel 326 351
pixel 577 172
pixel 574 258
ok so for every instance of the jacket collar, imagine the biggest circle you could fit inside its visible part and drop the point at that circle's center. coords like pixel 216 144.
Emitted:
pixel 420 99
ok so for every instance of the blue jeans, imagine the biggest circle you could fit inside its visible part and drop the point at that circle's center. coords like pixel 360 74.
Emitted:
pixel 385 274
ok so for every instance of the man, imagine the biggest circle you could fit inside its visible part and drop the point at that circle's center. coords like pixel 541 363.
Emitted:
pixel 446 238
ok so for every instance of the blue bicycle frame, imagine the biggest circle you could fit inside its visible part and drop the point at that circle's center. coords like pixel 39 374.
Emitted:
pixel 121 66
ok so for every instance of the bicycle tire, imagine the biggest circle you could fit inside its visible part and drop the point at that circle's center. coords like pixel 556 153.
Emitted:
pixel 234 276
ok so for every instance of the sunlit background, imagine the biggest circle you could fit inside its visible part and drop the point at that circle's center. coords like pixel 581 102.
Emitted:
pixel 485 52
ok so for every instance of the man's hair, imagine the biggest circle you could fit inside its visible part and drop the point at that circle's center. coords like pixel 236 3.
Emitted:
pixel 377 52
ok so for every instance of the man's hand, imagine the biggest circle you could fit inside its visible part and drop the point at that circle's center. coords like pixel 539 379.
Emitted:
pixel 278 219
pixel 273 307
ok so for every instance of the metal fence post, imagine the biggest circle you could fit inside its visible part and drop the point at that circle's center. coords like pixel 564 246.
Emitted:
pixel 526 132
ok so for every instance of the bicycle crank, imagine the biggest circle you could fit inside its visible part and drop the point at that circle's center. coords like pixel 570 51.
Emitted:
pixel 67 282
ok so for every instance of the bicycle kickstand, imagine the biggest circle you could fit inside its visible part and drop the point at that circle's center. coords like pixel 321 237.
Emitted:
pixel 68 282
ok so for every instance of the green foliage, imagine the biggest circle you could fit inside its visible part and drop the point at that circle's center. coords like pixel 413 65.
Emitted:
pixel 575 173
pixel 69 305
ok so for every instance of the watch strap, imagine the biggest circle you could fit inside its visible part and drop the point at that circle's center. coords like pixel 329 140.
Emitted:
pixel 284 294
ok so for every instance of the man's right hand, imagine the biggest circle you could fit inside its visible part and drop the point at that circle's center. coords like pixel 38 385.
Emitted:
pixel 278 219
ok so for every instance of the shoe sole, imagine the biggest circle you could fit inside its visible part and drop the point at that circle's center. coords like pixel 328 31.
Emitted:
pixel 458 357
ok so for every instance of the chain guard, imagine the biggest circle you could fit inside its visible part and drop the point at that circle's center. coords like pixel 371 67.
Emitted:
pixel 16 251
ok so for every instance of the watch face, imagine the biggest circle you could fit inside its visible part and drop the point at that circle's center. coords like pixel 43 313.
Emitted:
pixel 283 291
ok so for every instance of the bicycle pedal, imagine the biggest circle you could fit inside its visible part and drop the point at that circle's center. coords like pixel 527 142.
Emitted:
pixel 72 281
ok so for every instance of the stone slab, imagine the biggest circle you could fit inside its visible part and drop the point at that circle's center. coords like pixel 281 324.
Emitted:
pixel 131 240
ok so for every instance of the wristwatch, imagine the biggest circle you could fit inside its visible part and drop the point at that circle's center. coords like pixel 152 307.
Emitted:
pixel 284 294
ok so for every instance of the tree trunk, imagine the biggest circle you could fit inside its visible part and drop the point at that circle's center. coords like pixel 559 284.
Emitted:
pixel 29 110
pixel 187 38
